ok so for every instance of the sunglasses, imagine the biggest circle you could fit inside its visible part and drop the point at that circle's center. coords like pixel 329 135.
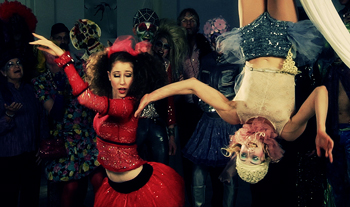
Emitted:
pixel 160 44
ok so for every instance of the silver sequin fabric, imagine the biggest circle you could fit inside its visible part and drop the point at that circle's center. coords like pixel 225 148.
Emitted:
pixel 265 37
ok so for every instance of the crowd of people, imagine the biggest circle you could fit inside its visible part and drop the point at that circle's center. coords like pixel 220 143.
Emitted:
pixel 266 103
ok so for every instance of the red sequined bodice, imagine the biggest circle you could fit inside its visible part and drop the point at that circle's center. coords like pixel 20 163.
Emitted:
pixel 114 124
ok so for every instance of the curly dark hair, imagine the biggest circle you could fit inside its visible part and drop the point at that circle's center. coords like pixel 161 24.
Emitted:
pixel 148 73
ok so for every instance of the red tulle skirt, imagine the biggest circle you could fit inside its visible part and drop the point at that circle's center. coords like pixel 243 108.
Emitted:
pixel 164 188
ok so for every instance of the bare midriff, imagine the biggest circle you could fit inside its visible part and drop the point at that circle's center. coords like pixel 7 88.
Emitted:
pixel 267 62
pixel 120 177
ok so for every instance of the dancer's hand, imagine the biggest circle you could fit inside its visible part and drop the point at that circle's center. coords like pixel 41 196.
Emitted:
pixel 143 103
pixel 47 45
pixel 324 141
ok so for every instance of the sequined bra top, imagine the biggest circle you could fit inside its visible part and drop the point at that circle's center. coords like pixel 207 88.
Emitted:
pixel 265 37
pixel 114 124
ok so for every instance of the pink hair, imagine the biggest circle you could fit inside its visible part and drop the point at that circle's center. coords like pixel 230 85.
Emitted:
pixel 263 130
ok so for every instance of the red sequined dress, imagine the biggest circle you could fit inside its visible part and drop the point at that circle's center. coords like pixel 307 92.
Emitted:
pixel 115 126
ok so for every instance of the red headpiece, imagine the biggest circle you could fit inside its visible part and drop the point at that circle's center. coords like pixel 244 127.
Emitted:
pixel 7 9
pixel 125 43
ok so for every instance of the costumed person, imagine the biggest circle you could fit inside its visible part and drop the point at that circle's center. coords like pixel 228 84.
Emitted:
pixel 299 179
pixel 168 45
pixel 22 126
pixel 212 132
pixel 265 100
pixel 85 35
pixel 19 23
pixel 68 175
pixel 187 111
pixel 152 132
pixel 145 24
pixel 115 82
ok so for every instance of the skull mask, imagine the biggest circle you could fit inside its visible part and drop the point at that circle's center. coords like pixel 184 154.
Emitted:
pixel 85 34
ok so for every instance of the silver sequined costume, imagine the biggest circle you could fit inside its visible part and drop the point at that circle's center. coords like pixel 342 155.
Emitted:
pixel 268 92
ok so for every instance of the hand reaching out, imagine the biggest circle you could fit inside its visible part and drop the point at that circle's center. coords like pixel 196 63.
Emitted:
pixel 324 141
pixel 47 45
pixel 143 103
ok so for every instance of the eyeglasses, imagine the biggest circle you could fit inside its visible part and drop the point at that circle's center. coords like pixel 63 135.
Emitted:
pixel 160 44
pixel 11 64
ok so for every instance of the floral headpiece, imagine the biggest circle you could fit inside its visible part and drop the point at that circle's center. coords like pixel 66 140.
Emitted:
pixel 215 27
pixel 8 9
pixel 125 44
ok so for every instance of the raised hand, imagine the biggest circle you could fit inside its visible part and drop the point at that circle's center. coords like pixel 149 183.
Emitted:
pixel 47 45
pixel 324 141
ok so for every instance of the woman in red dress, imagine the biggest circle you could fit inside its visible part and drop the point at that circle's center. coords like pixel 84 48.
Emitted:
pixel 116 80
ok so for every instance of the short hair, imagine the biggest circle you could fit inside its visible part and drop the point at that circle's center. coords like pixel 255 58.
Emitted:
pixel 183 13
pixel 58 28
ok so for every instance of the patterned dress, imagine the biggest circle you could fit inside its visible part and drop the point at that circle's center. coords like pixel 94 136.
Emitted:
pixel 76 129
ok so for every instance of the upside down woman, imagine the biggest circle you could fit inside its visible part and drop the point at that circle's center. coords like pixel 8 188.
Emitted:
pixel 115 83
pixel 267 41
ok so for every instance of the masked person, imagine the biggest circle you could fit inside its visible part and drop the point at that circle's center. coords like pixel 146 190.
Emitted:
pixel 146 23
pixel 85 35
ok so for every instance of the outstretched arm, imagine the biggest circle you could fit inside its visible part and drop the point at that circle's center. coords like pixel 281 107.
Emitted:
pixel 316 103
pixel 224 107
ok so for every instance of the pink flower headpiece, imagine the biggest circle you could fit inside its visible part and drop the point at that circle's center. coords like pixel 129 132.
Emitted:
pixel 215 26
pixel 125 44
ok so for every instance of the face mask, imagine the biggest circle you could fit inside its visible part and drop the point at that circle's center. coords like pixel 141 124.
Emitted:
pixel 146 31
